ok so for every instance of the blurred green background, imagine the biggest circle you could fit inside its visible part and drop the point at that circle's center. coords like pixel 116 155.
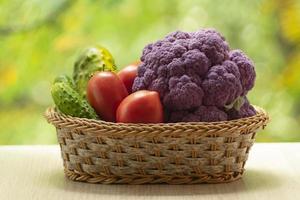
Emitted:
pixel 40 39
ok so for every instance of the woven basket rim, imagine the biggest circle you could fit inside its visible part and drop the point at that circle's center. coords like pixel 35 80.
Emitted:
pixel 52 114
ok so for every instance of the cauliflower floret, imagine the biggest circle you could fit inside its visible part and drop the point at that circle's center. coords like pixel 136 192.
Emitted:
pixel 183 94
pixel 222 84
pixel 191 62
pixel 246 110
pixel 246 69
pixel 202 113
pixel 212 44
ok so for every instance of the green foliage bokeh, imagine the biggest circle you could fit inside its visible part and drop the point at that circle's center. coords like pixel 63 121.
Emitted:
pixel 41 39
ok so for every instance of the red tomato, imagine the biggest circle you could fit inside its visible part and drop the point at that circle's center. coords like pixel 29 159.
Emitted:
pixel 141 107
pixel 127 75
pixel 105 92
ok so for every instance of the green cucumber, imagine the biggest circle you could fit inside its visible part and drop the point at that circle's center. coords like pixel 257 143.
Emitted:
pixel 68 100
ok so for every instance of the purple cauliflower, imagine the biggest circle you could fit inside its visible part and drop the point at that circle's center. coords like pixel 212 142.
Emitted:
pixel 246 110
pixel 246 68
pixel 201 114
pixel 195 74
pixel 222 84
pixel 190 93
pixel 212 43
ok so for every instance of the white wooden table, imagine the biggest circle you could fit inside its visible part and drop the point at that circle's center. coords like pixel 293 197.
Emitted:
pixel 36 172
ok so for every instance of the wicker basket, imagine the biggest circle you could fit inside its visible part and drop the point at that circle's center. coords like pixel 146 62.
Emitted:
pixel 95 151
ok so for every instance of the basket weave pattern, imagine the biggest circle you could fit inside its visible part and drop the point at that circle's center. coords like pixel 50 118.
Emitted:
pixel 95 151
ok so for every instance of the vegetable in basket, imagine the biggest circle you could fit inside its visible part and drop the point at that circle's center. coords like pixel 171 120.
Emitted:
pixel 141 107
pixel 91 60
pixel 68 100
pixel 105 92
pixel 127 75
pixel 197 76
